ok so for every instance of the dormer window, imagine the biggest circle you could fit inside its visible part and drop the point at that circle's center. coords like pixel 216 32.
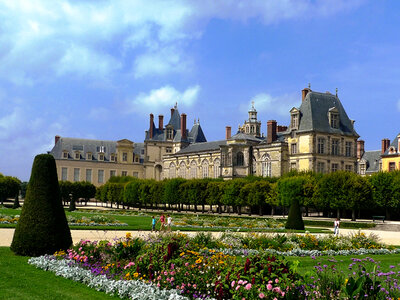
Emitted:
pixel 77 155
pixel 113 157
pixel 101 156
pixel 65 155
pixel 294 121
pixel 170 133
pixel 89 156
pixel 101 149
pixel 334 117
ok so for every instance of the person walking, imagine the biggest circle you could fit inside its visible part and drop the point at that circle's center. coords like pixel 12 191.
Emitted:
pixel 153 224
pixel 169 222
pixel 162 221
pixel 336 226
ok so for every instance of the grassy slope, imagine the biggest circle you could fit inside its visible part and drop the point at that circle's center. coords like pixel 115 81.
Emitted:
pixel 19 280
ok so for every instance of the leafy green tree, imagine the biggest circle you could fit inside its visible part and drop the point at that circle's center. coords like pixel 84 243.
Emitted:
pixel 9 187
pixel 382 191
pixel 132 192
pixel 172 191
pixel 88 191
pixel 214 194
pixel 24 186
pixel 257 193
pixel 42 227
pixel 232 196
pixel 66 191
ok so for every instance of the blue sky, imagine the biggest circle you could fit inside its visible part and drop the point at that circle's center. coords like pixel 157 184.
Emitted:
pixel 97 69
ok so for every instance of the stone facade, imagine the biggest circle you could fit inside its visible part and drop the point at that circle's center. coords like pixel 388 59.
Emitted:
pixel 320 138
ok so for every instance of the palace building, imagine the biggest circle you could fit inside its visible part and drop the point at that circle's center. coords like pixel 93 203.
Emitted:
pixel 320 137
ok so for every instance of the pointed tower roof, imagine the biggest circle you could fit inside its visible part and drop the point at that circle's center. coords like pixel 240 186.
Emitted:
pixel 196 134
pixel 175 120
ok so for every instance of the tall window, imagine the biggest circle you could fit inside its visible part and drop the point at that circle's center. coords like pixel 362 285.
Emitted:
pixel 204 169
pixel 348 148
pixel 76 174
pixel 182 170
pixel 392 166
pixel 170 134
pixel 64 174
pixel 266 166
pixel 65 154
pixel 334 120
pixel 193 169
pixel 100 176
pixel 349 168
pixel 124 173
pixel 172 170
pixel 89 156
pixel 89 175
pixel 293 166
pixel 124 156
pixel 294 124
pixel 216 168
pixel 135 174
pixel 77 155
pixel 293 148
pixel 112 173
pixel 362 169
pixel 335 147
pixel 239 159
pixel 321 146
pixel 335 167
pixel 101 156
pixel 320 167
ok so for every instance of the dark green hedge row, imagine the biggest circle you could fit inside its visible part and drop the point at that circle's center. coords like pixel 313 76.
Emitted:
pixel 338 191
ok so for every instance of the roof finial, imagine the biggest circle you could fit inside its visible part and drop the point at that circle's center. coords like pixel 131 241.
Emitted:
pixel 309 86
pixel 176 105
pixel 194 123
pixel 252 104
pixel 198 120
pixel 336 91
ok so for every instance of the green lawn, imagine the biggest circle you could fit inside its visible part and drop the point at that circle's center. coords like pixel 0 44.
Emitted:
pixel 139 222
pixel 19 280
pixel 306 264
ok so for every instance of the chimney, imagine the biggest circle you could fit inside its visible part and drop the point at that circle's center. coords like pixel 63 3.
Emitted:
pixel 183 126
pixel 151 131
pixel 281 128
pixel 228 132
pixel 172 111
pixel 360 149
pixel 271 131
pixel 160 122
pixel 56 139
pixel 385 145
pixel 304 93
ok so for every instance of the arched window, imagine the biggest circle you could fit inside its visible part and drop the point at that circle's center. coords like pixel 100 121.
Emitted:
pixel 266 166
pixel 216 168
pixel 172 170
pixel 204 169
pixel 182 170
pixel 239 159
pixel 193 169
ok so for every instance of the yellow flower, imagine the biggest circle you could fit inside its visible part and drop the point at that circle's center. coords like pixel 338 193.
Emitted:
pixel 198 261
pixel 182 254
pixel 136 275
pixel 345 282
pixel 128 235
pixel 127 274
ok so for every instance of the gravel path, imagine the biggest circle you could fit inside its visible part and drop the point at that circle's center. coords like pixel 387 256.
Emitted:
pixel 6 235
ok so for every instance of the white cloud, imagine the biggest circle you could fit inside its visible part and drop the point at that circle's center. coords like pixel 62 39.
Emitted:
pixel 163 97
pixel 40 36
pixel 273 106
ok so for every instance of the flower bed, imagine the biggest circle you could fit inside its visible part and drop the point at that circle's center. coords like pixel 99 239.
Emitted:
pixel 5 219
pixel 189 267
pixel 96 220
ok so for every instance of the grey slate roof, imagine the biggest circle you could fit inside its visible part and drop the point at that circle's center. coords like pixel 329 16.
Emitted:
pixel 196 135
pixel 372 159
pixel 206 146
pixel 175 120
pixel 85 145
pixel 243 136
pixel 395 145
pixel 314 115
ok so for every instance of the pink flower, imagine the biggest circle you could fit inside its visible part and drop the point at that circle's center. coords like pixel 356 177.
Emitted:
pixel 233 283
pixel 172 273
pixel 186 264
pixel 158 284
pixel 269 286
pixel 238 287
pixel 270 281
pixel 283 294
pixel 240 281
pixel 261 295
pixel 276 280
pixel 165 273
pixel 277 289
pixel 172 278
pixel 248 286
pixel 194 286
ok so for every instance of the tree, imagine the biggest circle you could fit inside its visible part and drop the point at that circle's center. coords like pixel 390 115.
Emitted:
pixel 232 195
pixel 172 192
pixel 291 192
pixel 214 194
pixel 42 227
pixel 132 192
pixel 9 187
pixel 382 191
pixel 257 193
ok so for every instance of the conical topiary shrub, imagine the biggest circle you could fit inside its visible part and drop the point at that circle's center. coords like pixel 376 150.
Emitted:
pixel 295 220
pixel 42 227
